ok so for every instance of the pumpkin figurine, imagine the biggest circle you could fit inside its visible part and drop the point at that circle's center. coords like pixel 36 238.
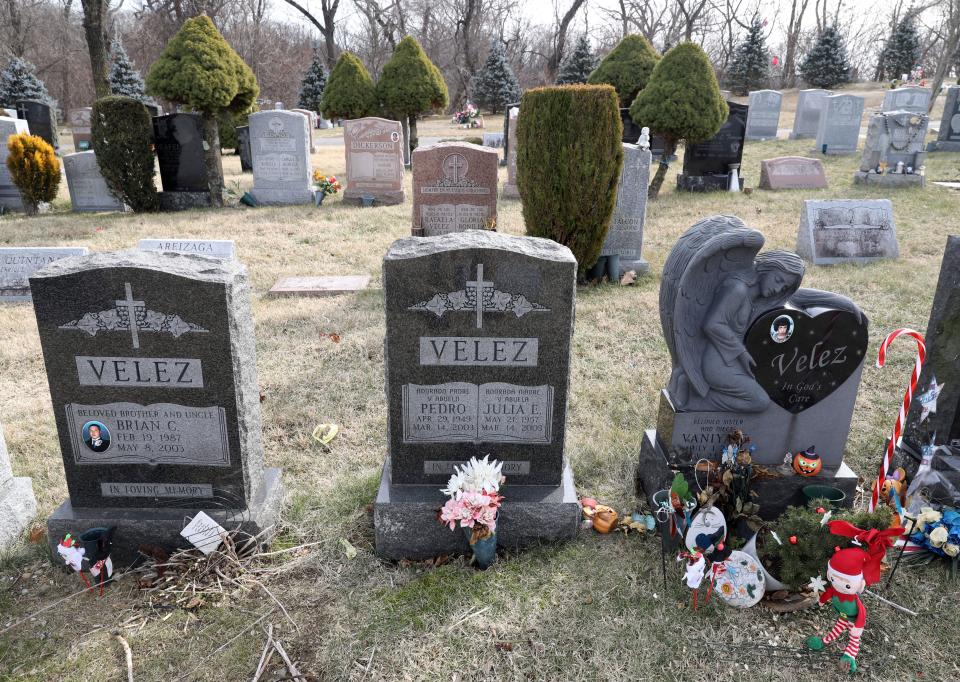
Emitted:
pixel 604 519
pixel 807 463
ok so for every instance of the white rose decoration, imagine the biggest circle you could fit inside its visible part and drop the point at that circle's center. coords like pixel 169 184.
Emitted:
pixel 951 549
pixel 938 536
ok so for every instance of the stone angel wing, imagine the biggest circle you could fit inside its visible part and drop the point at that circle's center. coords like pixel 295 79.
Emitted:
pixel 727 251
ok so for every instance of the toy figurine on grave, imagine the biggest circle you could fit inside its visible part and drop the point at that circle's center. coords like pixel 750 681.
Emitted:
pixel 91 553
pixel 715 285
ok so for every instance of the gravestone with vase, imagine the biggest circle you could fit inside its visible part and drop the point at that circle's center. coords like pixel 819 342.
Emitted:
pixel 9 194
pixel 714 164
pixel 839 128
pixel 374 151
pixel 810 104
pixel 948 139
pixel 178 140
pixel 280 146
pixel 763 120
pixel 88 190
pixel 454 188
pixel 893 155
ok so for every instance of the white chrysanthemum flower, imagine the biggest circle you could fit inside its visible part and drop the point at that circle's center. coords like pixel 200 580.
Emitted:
pixel 474 476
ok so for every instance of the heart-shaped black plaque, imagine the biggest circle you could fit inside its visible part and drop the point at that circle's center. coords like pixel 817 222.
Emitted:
pixel 801 359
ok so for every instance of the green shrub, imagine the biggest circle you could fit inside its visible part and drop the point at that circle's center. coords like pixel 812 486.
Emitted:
pixel 627 68
pixel 568 165
pixel 682 101
pixel 410 85
pixel 34 168
pixel 122 130
pixel 350 92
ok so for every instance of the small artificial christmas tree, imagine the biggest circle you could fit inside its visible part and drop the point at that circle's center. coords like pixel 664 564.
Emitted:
pixel 495 86
pixel 18 82
pixel 579 65
pixel 902 51
pixel 749 69
pixel 314 81
pixel 826 65
pixel 124 78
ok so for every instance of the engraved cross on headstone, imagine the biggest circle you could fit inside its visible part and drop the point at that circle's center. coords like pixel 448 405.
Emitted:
pixel 479 286
pixel 131 307
pixel 456 166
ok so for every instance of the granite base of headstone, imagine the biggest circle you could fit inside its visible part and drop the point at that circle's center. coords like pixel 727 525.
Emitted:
pixel 374 154
pixel 948 138
pixel 18 263
pixel 792 172
pixel 17 502
pixel 9 193
pixel 894 151
pixel 810 105
pixel 42 119
pixel 625 236
pixel 88 190
pixel 708 166
pixel 280 145
pixel 178 140
pixel 183 200
pixel 318 287
pixel 847 231
pixel 479 327
pixel 151 364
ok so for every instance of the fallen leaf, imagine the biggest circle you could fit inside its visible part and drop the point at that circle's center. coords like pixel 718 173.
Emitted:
pixel 332 336
pixel 263 396
pixel 37 534
pixel 503 646
pixel 348 549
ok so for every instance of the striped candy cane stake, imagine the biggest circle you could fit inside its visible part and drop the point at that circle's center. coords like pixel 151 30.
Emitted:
pixel 904 406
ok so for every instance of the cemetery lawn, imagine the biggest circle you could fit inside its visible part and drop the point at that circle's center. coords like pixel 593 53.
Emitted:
pixel 594 608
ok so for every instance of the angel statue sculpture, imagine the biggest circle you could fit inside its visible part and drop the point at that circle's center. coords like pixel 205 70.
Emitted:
pixel 714 286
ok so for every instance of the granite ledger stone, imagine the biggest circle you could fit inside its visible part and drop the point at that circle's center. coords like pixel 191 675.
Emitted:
pixel 151 363
pixel 625 236
pixel 17 502
pixel 454 188
pixel 212 248
pixel 9 194
pixel 280 145
pixel 88 190
pixel 948 139
pixel 18 263
pixel 810 105
pixel 374 151
pixel 847 231
pixel 763 119
pixel 479 329
pixel 839 128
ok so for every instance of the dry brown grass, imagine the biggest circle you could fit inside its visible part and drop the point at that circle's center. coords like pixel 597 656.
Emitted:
pixel 592 609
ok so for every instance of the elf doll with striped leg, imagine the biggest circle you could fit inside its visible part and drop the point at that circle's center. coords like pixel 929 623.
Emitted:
pixel 850 571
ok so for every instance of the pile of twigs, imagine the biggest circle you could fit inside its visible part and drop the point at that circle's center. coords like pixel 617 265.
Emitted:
pixel 273 646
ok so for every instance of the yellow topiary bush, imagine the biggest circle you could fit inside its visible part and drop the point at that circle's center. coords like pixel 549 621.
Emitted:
pixel 34 168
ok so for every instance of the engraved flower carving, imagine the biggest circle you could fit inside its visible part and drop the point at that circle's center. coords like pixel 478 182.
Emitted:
pixel 501 300
pixel 154 320
pixel 436 305
pixel 110 319
pixel 177 326
pixel 89 323
pixel 458 299
pixel 522 306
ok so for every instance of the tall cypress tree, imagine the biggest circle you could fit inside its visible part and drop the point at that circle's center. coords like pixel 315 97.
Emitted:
pixel 124 78
pixel 496 86
pixel 18 81
pixel 826 65
pixel 314 81
pixel 749 69
pixel 579 65
pixel 902 51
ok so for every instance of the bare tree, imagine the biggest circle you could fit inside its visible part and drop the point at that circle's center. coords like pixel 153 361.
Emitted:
pixel 560 35
pixel 949 34
pixel 328 11
pixel 798 8
pixel 95 29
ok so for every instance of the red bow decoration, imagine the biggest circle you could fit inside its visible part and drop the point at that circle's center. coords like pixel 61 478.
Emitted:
pixel 875 543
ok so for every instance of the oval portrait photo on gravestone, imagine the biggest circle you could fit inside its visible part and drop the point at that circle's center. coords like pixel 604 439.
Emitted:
pixel 782 329
pixel 96 436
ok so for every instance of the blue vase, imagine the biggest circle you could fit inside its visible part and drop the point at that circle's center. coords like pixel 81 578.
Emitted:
pixel 484 551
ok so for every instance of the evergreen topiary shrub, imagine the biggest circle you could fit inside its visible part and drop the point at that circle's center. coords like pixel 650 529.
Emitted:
pixel 568 165
pixel 350 91
pixel 826 64
pixel 627 68
pixel 34 168
pixel 121 130
pixel 749 69
pixel 682 101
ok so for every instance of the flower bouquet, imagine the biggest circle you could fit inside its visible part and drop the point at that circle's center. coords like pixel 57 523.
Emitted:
pixel 324 185
pixel 467 117
pixel 474 492
pixel 935 534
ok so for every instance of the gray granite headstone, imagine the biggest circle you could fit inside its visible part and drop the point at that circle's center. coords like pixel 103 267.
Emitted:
pixel 763 119
pixel 88 189
pixel 895 143
pixel 479 328
pixel 847 231
pixel 910 98
pixel 18 263
pixel 625 236
pixel 839 129
pixel 9 194
pixel 280 145
pixel 809 108
pixel 17 502
pixel 213 248
pixel 9 113
pixel 151 363
pixel 311 124
pixel 948 139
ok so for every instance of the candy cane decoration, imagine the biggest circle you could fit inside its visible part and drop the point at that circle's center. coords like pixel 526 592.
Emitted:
pixel 904 406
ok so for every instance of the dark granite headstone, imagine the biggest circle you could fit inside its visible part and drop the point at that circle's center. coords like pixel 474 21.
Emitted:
pixel 151 363
pixel 631 133
pixel 42 119
pixel 243 149
pixel 707 165
pixel 948 139
pixel 479 328
pixel 178 140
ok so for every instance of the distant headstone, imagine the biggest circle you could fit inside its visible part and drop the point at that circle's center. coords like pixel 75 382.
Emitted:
pixel 324 124
pixel 910 98
pixel 948 139
pixel 894 146
pixel 494 140
pixel 17 503
pixel 153 109
pixel 810 105
pixel 9 194
pixel 625 236
pixel 839 129
pixel 280 144
pixel 80 127
pixel 454 188
pixel 17 263
pixel 9 113
pixel 707 165
pixel 42 119
pixel 763 119
pixel 151 363
pixel 510 187
pixel 478 336
pixel 213 248
pixel 507 124
pixel 792 172
pixel 178 140
pixel 88 189
pixel 315 287
pixel 847 231
pixel 311 124
pixel 374 150
pixel 243 148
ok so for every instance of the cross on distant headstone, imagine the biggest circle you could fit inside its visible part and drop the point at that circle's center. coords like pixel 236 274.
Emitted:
pixel 456 167
pixel 131 307
pixel 479 286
